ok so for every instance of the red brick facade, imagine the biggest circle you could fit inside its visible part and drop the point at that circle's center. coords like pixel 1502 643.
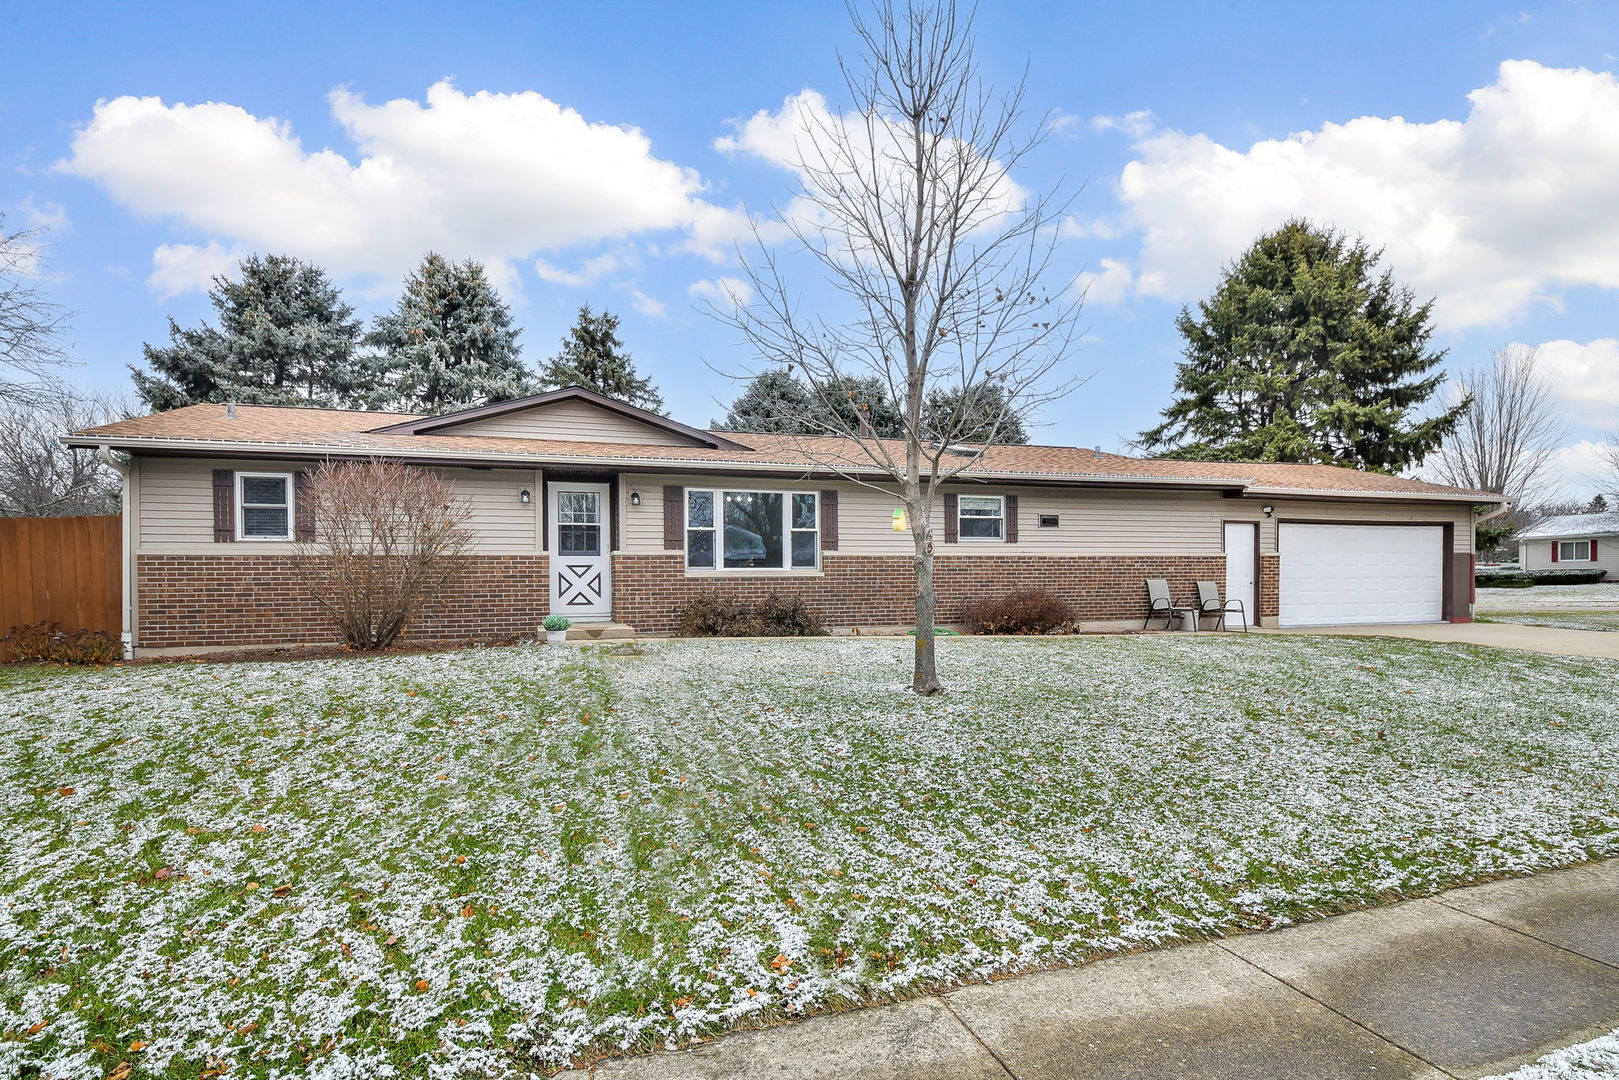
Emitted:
pixel 1270 586
pixel 187 601
pixel 878 590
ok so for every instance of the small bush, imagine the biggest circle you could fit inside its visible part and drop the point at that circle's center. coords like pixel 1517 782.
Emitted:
pixel 1504 581
pixel 48 642
pixel 774 616
pixel 1567 577
pixel 1027 611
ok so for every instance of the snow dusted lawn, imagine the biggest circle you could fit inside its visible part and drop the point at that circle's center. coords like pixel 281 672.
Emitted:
pixel 1571 607
pixel 499 860
pixel 1595 1060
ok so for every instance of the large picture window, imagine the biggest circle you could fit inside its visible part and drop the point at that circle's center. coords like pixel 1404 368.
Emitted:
pixel 981 517
pixel 751 530
pixel 264 506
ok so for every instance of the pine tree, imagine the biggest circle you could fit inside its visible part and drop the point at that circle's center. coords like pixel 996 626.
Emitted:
pixel 592 356
pixel 284 337
pixel 985 415
pixel 1597 505
pixel 449 343
pixel 774 402
pixel 1302 354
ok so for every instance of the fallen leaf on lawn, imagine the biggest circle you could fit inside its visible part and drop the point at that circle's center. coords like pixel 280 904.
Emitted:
pixel 421 984
pixel 393 939
pixel 468 912
pixel 251 885
pixel 163 873
pixel 138 1045
pixel 66 791
pixel 781 963
pixel 258 828
pixel 460 858
pixel 37 1028
pixel 283 890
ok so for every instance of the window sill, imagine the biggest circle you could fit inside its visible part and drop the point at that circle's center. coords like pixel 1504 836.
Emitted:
pixel 746 574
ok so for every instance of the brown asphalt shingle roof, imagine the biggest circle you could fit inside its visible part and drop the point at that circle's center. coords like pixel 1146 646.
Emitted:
pixel 332 430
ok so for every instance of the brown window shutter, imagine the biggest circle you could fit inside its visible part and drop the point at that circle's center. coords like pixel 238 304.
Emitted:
pixel 224 506
pixel 1593 551
pixel 1011 519
pixel 951 517
pixel 303 514
pixel 829 521
pixel 674 518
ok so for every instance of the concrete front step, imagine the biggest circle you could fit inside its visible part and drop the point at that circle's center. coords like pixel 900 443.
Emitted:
pixel 609 631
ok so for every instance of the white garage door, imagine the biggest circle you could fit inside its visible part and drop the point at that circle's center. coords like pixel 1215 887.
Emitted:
pixel 1347 574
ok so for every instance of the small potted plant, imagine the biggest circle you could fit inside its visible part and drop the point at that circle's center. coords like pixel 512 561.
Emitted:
pixel 556 629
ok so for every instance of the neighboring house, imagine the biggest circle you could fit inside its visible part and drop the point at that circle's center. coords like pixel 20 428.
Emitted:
pixel 589 507
pixel 1572 542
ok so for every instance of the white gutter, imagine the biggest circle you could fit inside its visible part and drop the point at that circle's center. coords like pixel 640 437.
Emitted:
pixel 126 529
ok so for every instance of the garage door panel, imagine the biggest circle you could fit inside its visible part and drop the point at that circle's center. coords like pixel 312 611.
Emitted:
pixel 1344 574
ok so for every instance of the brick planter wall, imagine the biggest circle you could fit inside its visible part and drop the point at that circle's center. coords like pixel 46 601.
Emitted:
pixel 879 590
pixel 187 601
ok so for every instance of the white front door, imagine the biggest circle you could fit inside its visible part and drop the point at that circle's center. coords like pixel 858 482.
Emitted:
pixel 1242 566
pixel 581 562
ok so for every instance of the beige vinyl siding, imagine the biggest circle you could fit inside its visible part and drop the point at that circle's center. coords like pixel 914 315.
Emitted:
pixel 1537 555
pixel 1459 515
pixel 574 421
pixel 1091 521
pixel 175 510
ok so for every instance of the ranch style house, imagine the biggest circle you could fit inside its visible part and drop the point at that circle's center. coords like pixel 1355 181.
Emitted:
pixel 588 507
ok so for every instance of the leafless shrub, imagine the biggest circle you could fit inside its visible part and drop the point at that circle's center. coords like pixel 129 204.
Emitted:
pixel 1026 611
pixel 48 642
pixel 379 542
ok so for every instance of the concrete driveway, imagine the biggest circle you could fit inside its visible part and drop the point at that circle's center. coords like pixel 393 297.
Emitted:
pixel 1544 639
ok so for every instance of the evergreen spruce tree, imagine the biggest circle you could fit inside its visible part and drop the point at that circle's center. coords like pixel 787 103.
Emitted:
pixel 284 337
pixel 1597 505
pixel 449 343
pixel 592 356
pixel 773 402
pixel 1304 353
pixel 984 412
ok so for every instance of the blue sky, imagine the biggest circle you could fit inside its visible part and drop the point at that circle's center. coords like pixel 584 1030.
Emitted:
pixel 1477 142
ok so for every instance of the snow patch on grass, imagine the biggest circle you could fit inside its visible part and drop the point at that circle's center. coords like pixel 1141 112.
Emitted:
pixel 1595 1060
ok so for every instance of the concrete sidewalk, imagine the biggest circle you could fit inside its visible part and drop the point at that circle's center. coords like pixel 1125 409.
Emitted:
pixel 1603 644
pixel 1470 983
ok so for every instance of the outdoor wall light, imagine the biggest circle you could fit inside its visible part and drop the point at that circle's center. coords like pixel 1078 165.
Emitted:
pixel 635 498
pixel 524 497
pixel 1268 509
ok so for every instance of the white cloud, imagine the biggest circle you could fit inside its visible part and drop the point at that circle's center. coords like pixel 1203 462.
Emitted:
pixel 182 268
pixel 647 305
pixel 798 137
pixel 722 291
pixel 589 271
pixel 1491 214
pixel 1581 470
pixel 1109 285
pixel 496 177
pixel 1584 379
pixel 1137 125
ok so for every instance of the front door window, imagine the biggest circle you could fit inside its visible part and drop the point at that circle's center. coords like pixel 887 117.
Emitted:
pixel 579 523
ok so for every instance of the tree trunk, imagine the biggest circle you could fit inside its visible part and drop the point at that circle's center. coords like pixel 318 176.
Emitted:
pixel 925 670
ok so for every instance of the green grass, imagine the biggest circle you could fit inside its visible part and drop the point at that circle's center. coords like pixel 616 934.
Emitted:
pixel 509 859
pixel 1568 620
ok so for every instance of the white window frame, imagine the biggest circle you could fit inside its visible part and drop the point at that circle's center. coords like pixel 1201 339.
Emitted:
pixel 241 505
pixel 999 518
pixel 717 494
pixel 1564 547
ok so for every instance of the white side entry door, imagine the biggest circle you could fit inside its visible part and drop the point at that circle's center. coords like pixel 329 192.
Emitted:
pixel 1242 566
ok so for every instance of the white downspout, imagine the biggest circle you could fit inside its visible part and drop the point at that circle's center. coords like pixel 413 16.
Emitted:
pixel 126 513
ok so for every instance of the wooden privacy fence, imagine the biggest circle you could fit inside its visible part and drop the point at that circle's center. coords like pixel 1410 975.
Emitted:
pixel 61 569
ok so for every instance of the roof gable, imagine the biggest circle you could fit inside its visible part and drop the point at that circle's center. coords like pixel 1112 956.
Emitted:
pixel 571 414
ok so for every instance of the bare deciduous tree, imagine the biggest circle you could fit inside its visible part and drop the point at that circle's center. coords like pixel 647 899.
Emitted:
pixel 39 477
pixel 908 208
pixel 31 326
pixel 379 542
pixel 1506 439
